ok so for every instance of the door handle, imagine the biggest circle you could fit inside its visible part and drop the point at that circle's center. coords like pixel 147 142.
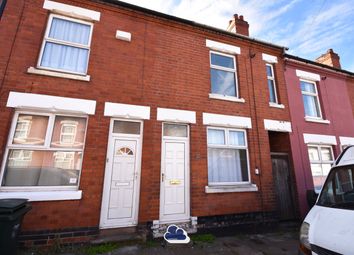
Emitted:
pixel 162 177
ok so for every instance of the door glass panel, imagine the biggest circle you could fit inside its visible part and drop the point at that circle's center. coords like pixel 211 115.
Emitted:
pixel 126 127
pixel 175 130
pixel 30 129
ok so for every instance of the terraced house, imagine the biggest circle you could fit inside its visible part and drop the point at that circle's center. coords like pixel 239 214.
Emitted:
pixel 116 116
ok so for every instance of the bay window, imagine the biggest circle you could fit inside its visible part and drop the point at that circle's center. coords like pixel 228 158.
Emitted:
pixel 227 156
pixel 44 151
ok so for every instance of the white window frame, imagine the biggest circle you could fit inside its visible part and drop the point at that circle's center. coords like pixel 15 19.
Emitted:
pixel 44 147
pixel 64 124
pixel 313 95
pixel 227 146
pixel 320 161
pixel 231 70
pixel 76 45
pixel 21 157
pixel 64 160
pixel 27 126
pixel 274 84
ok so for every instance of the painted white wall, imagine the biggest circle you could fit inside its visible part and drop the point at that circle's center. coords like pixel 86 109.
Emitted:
pixel 71 10
pixel 226 120
pixel 277 125
pixel 50 103
pixel 174 115
pixel 127 111
pixel 320 139
pixel 223 47
pixel 269 58
pixel 307 75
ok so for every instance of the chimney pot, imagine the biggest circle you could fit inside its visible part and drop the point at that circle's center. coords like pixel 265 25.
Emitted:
pixel 238 25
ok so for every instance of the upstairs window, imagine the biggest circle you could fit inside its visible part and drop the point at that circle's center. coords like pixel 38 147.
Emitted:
pixel 271 84
pixel 310 99
pixel 223 74
pixel 66 45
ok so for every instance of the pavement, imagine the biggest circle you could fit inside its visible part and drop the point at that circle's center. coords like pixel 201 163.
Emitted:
pixel 275 243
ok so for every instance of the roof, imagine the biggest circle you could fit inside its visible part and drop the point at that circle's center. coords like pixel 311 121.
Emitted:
pixel 188 22
pixel 311 62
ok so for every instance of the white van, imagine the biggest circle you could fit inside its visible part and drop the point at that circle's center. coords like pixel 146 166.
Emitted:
pixel 329 227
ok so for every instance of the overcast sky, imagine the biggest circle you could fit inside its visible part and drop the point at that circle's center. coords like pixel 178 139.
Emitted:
pixel 308 27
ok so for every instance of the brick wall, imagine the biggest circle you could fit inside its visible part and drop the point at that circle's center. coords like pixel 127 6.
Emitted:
pixel 165 65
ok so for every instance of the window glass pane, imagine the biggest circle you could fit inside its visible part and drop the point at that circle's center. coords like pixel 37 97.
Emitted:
pixel 42 168
pixel 317 176
pixel 126 127
pixel 311 107
pixel 269 71
pixel 64 57
pixel 313 153
pixel 30 129
pixel 227 165
pixel 237 138
pixel 175 130
pixel 68 132
pixel 223 61
pixel 308 87
pixel 70 31
pixel 272 97
pixel 326 154
pixel 216 136
pixel 223 82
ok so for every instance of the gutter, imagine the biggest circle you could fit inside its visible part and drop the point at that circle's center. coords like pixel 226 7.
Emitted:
pixel 188 22
pixel 288 57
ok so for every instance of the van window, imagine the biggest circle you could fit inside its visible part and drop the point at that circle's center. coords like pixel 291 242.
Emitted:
pixel 338 191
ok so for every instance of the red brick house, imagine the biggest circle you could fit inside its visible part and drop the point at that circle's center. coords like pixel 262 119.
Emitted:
pixel 321 117
pixel 118 116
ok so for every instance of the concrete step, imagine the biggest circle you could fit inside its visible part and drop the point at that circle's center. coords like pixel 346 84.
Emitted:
pixel 119 235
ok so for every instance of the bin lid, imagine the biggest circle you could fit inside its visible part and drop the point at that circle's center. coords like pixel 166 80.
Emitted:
pixel 11 205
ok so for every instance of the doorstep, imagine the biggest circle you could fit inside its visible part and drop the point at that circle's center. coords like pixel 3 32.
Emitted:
pixel 131 234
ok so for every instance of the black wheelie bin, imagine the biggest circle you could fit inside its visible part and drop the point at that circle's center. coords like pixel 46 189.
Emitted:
pixel 11 215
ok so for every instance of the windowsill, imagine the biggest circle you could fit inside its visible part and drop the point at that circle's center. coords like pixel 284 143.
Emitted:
pixel 43 195
pixel 317 120
pixel 275 105
pixel 226 98
pixel 234 188
pixel 33 70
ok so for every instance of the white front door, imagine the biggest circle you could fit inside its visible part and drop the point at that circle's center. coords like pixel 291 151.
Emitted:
pixel 121 193
pixel 174 198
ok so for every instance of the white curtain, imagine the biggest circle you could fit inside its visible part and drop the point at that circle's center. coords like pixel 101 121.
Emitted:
pixel 224 165
pixel 59 56
pixel 310 105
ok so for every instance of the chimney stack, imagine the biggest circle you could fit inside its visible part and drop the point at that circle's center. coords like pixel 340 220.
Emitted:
pixel 330 58
pixel 238 25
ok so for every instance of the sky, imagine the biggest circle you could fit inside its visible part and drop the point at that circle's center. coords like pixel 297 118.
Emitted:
pixel 307 27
